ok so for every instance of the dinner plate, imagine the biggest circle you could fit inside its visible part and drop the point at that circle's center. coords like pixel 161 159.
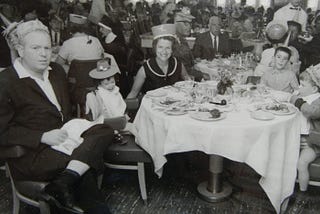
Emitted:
pixel 188 84
pixel 262 115
pixel 291 110
pixel 168 102
pixel 175 112
pixel 156 93
pixel 205 116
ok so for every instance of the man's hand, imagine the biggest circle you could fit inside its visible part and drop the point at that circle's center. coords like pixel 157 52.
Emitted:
pixel 54 137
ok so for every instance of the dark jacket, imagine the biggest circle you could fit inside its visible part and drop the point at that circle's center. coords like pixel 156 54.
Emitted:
pixel 26 113
pixel 203 47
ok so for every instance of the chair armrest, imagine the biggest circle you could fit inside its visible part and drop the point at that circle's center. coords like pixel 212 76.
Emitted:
pixel 253 79
pixel 117 123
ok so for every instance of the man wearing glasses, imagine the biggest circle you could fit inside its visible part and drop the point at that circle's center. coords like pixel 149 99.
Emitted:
pixel 183 21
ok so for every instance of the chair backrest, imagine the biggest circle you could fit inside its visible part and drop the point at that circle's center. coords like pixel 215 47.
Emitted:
pixel 79 80
pixel 253 79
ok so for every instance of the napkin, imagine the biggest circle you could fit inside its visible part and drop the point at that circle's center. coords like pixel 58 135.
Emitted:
pixel 74 129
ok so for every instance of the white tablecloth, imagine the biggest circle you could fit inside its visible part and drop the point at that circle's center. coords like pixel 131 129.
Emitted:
pixel 271 148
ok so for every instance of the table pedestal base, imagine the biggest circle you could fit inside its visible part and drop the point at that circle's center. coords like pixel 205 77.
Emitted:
pixel 214 189
pixel 214 197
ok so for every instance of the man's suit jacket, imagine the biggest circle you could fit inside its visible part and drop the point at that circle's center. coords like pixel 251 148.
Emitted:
pixel 203 47
pixel 26 112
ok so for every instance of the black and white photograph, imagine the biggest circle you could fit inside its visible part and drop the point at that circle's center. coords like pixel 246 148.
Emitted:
pixel 159 106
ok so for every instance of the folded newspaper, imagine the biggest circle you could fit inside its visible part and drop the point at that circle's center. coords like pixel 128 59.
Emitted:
pixel 75 128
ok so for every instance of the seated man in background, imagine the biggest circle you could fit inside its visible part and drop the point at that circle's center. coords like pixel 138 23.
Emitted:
pixel 212 43
pixel 182 51
pixel 34 104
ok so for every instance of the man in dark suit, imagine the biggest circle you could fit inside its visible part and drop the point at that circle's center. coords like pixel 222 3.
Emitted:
pixel 212 42
pixel 34 104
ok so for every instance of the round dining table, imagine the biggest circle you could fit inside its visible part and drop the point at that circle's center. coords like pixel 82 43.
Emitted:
pixel 268 143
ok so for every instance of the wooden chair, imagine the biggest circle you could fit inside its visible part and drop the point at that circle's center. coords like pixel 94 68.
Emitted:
pixel 29 192
pixel 26 191
pixel 314 167
pixel 79 82
pixel 253 79
pixel 127 154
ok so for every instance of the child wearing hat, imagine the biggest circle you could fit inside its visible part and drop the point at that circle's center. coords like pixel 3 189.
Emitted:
pixel 106 99
pixel 307 100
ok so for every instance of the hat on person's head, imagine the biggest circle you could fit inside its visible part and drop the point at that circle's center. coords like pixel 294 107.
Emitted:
pixel 184 15
pixel 276 29
pixel 15 32
pixel 236 14
pixel 163 30
pixel 103 70
pixel 77 19
pixel 314 73
pixel 249 11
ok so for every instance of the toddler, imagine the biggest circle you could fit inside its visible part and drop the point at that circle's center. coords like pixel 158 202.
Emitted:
pixel 106 99
pixel 307 100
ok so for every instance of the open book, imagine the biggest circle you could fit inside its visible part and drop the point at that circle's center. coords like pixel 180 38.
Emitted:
pixel 75 128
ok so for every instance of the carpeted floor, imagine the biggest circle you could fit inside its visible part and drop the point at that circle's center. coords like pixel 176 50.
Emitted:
pixel 176 192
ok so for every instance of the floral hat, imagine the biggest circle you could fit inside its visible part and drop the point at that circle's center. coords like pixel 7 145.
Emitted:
pixel 103 70
pixel 16 31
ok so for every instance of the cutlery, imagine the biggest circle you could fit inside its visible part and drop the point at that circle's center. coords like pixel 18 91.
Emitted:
pixel 222 103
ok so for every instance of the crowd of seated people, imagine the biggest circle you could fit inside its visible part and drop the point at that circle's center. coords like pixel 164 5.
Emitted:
pixel 294 46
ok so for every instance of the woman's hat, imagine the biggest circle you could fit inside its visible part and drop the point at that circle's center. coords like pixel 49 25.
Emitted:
pixel 103 70
pixel 164 30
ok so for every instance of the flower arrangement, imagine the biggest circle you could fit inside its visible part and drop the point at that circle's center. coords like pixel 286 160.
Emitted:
pixel 225 84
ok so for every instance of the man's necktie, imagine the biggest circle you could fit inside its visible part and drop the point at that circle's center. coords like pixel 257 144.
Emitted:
pixel 295 8
pixel 215 44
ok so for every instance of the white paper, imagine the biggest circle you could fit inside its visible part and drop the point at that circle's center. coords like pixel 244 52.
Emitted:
pixel 74 129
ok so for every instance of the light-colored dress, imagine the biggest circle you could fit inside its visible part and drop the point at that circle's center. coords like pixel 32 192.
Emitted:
pixel 104 102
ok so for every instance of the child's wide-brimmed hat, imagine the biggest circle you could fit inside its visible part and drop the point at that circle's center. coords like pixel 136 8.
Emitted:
pixel 103 70
pixel 164 30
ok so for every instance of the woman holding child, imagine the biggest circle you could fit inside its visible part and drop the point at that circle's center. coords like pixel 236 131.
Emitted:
pixel 163 69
